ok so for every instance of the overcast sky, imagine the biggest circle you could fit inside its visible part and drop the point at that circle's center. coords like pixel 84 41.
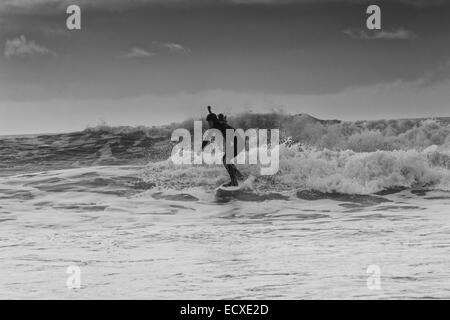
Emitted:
pixel 151 62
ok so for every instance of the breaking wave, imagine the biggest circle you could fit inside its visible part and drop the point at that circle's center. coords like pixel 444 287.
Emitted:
pixel 322 170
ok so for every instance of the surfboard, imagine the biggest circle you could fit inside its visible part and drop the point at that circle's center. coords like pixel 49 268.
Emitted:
pixel 231 191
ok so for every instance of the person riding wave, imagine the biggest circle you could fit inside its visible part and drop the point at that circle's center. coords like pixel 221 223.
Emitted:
pixel 220 123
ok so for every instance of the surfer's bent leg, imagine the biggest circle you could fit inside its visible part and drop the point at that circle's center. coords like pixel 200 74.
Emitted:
pixel 237 173
pixel 231 169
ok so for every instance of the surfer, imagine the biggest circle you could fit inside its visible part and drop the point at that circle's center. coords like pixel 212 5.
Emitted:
pixel 220 123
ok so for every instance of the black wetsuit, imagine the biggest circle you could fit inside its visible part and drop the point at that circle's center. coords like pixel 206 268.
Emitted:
pixel 234 173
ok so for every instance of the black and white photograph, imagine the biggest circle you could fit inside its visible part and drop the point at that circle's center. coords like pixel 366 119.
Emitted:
pixel 224 150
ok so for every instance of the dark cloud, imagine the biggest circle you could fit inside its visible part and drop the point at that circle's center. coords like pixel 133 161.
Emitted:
pixel 244 48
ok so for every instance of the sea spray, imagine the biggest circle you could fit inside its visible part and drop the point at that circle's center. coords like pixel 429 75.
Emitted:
pixel 323 170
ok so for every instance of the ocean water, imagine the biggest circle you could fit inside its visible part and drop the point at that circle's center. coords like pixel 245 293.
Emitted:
pixel 138 226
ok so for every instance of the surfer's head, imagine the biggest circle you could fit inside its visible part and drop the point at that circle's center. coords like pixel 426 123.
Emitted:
pixel 211 118
pixel 222 118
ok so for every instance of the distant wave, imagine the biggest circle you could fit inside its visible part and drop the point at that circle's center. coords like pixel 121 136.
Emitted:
pixel 101 145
